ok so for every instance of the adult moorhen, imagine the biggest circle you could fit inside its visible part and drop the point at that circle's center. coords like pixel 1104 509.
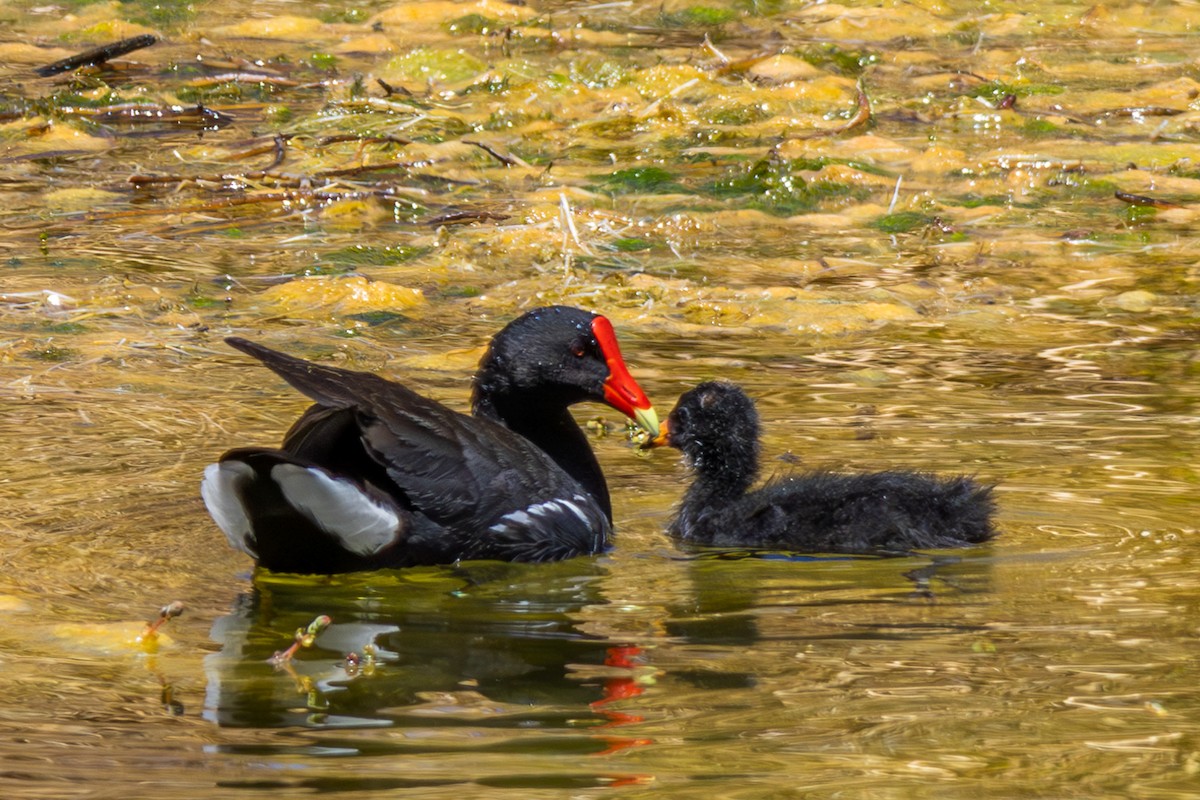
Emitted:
pixel 715 425
pixel 375 475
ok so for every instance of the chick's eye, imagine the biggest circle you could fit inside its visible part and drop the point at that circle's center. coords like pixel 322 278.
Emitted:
pixel 577 349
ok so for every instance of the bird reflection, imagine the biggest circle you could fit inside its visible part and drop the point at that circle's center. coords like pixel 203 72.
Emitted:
pixel 487 644
pixel 734 593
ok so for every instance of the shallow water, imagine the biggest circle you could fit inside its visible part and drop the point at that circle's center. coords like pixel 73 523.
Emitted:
pixel 954 286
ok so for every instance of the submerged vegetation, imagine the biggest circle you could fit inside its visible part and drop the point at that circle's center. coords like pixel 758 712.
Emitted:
pixel 500 107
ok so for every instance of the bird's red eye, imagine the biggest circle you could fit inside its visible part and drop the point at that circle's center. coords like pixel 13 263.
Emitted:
pixel 577 349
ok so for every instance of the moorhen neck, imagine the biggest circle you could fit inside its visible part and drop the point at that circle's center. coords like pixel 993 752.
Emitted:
pixel 715 426
pixel 376 476
pixel 536 368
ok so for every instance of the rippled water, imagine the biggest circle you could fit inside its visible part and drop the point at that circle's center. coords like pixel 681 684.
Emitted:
pixel 954 286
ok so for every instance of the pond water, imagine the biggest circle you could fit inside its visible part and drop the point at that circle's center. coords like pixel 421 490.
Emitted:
pixel 944 235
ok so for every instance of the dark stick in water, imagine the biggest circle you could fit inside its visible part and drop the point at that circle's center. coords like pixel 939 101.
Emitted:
pixel 97 55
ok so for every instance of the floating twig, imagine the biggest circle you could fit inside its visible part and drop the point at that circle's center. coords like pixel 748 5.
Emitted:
pixel 654 106
pixel 862 116
pixel 280 145
pixel 342 172
pixel 201 115
pixel 895 194
pixel 389 90
pixel 354 137
pixel 258 67
pixel 283 179
pixel 463 217
pixel 506 159
pixel 243 77
pixel 708 45
pixel 214 205
pixel 738 66
pixel 97 55
pixel 294 198
pixel 566 216
pixel 1143 111
pixel 1144 200
pixel 276 145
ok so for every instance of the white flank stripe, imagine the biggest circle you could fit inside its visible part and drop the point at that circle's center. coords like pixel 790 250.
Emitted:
pixel 518 517
pixel 552 509
pixel 542 509
pixel 578 511
pixel 224 502
pixel 339 507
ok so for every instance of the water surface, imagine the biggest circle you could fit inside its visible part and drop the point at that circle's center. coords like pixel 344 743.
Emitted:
pixel 951 282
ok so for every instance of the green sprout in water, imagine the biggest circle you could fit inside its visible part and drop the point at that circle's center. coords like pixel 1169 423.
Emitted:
pixel 698 17
pixel 353 16
pixel 165 614
pixel 472 23
pixel 642 180
pixel 851 63
pixel 325 61
pixel 631 245
pixel 283 661
pixel 776 187
pixel 50 352
pixel 362 665
pixel 304 638
pixel 361 255
pixel 901 222
pixel 166 14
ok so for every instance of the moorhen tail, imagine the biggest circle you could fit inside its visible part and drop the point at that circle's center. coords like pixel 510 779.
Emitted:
pixel 376 476
pixel 715 426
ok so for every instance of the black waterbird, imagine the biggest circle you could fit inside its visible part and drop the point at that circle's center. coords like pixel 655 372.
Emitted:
pixel 716 427
pixel 375 475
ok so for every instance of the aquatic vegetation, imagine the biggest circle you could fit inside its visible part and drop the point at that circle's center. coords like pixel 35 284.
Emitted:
pixel 777 186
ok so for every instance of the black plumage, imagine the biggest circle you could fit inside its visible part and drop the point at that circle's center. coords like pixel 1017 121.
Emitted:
pixel 716 427
pixel 375 475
